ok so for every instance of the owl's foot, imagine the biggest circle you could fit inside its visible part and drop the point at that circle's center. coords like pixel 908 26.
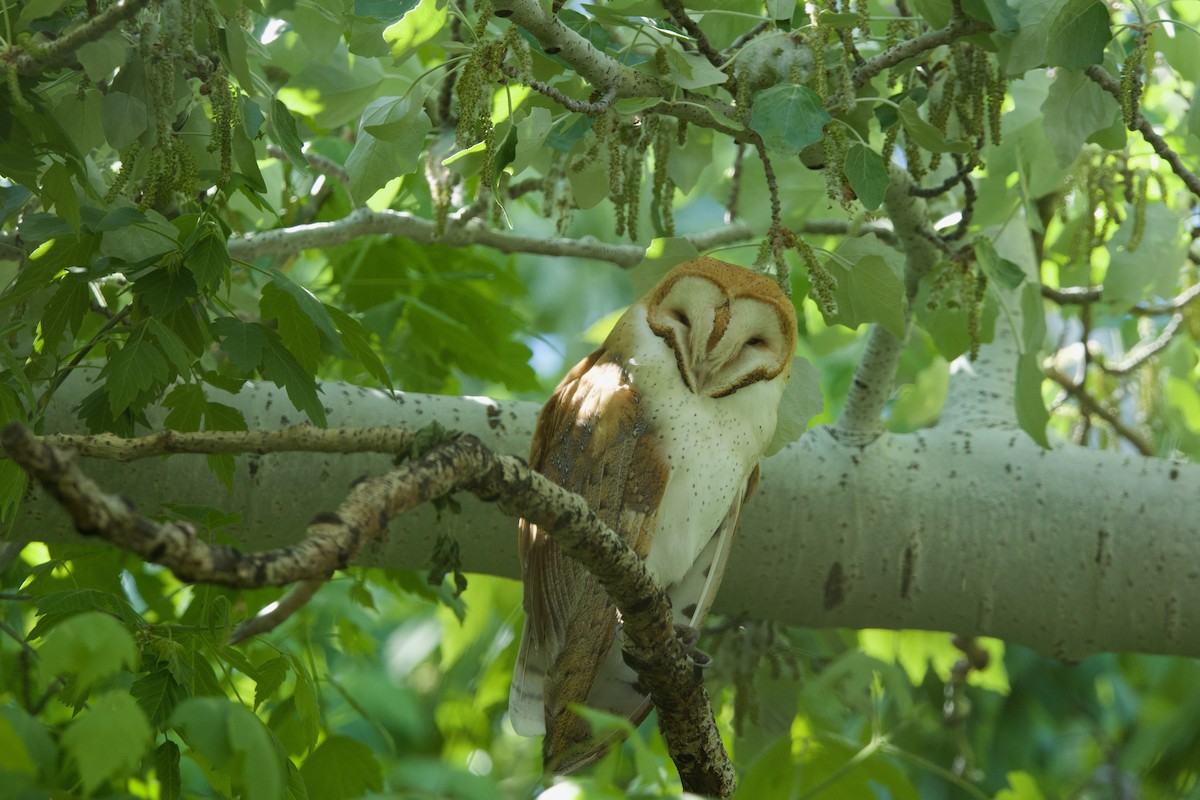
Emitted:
pixel 689 636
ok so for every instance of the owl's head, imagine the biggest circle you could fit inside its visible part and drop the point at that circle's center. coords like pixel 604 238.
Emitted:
pixel 730 327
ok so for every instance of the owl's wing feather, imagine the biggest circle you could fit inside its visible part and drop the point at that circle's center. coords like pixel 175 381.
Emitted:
pixel 692 596
pixel 591 439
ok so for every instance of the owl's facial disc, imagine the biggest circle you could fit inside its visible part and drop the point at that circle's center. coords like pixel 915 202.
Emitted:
pixel 721 343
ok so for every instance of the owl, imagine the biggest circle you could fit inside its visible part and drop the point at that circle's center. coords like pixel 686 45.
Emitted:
pixel 661 431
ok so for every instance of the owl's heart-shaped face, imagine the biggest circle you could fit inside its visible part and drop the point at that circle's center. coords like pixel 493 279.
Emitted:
pixel 728 327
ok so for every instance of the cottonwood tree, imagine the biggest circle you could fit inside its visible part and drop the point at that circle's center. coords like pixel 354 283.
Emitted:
pixel 222 219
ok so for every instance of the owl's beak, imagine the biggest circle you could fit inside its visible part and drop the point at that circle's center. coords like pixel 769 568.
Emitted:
pixel 705 360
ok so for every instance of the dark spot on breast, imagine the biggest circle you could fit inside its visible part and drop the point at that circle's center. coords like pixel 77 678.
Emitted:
pixel 835 587
pixel 689 610
pixel 1174 474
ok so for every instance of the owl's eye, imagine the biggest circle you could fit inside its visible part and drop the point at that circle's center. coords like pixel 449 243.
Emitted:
pixel 681 318
pixel 756 341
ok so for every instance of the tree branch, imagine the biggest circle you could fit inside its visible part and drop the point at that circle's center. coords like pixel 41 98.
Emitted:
pixel 61 51
pixel 1090 405
pixel 956 29
pixel 1139 123
pixel 1081 295
pixel 861 418
pixel 605 72
pixel 664 666
pixel 365 222
pixel 961 527
pixel 1145 350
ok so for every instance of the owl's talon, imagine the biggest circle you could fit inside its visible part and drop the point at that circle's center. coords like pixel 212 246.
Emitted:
pixel 689 636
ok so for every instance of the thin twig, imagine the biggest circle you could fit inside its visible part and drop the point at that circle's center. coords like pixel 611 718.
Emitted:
pixel 903 51
pixel 365 222
pixel 325 166
pixel 745 38
pixel 571 104
pixel 62 51
pixel 1079 295
pixel 1139 123
pixel 679 14
pixel 1091 405
pixel 1143 351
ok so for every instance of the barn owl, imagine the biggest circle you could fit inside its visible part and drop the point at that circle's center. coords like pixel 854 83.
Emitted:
pixel 661 431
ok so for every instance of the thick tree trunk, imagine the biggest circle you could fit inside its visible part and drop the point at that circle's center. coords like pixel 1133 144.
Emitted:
pixel 961 527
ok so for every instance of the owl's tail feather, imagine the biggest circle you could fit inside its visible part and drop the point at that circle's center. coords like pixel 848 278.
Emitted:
pixel 526 703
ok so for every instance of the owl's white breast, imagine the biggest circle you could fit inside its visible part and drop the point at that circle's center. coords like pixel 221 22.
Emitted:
pixel 711 446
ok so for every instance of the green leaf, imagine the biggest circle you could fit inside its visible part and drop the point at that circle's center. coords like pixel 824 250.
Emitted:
pixel 271 675
pixel 1033 318
pixel 80 119
pixel 418 26
pixel 56 607
pixel 57 190
pixel 924 133
pixel 60 254
pixel 869 287
pixel 64 310
pixel 307 708
pixel 589 185
pixel 101 58
pixel 1075 109
pixel 200 721
pixel 1153 267
pixel 135 369
pixel 244 342
pixel 165 289
pixel 37 9
pixel 801 402
pixel 284 126
pixel 1078 35
pixel 135 240
pixel 390 143
pixel 208 258
pixel 124 118
pixel 1028 49
pixel 220 417
pixel 298 332
pixel 166 769
pixel 789 118
pixel 532 130
pixel 14 755
pixel 281 368
pixel 256 762
pixel 307 303
pixel 781 9
pixel 692 70
pixel 91 645
pixel 158 693
pixel 357 341
pixel 999 270
pixel 1031 409
pixel 341 768
pixel 171 345
pixel 93 742
pixel 1021 786
pixel 867 174
pixel 186 402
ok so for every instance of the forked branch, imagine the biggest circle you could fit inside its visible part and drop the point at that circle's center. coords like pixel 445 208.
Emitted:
pixel 334 539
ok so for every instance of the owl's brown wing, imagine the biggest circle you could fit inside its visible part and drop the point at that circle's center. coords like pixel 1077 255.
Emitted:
pixel 591 438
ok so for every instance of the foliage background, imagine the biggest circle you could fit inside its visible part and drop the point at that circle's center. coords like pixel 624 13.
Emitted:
pixel 130 158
